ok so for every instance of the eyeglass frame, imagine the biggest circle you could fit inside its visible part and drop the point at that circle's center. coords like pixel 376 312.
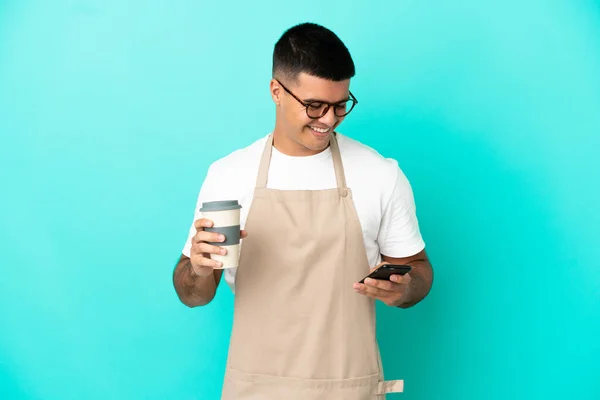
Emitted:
pixel 327 104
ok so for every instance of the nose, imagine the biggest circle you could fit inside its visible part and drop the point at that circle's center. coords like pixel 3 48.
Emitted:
pixel 329 119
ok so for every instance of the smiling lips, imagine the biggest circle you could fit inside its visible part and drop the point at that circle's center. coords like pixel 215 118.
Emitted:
pixel 319 131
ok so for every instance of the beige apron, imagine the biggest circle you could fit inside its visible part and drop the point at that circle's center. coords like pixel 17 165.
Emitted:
pixel 300 331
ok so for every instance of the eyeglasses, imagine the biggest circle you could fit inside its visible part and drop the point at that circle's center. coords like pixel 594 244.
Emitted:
pixel 317 109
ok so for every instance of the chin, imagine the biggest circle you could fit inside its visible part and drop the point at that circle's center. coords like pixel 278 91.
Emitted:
pixel 315 145
pixel 315 142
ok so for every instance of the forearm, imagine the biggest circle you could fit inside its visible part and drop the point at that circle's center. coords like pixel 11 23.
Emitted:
pixel 193 290
pixel 420 284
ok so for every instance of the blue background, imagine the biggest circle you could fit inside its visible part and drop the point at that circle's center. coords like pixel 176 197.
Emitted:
pixel 111 112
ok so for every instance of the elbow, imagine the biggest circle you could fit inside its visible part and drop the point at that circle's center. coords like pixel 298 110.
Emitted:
pixel 189 303
pixel 192 300
pixel 423 282
pixel 195 302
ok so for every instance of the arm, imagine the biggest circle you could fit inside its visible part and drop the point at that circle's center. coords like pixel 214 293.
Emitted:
pixel 194 290
pixel 416 286
pixel 400 236
pixel 196 278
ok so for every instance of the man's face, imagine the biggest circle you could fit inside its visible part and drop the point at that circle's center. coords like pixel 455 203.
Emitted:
pixel 299 134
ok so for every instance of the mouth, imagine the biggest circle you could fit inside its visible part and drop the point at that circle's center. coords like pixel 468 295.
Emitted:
pixel 320 132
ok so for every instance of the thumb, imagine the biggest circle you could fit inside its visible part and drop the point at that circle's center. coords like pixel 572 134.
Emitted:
pixel 379 265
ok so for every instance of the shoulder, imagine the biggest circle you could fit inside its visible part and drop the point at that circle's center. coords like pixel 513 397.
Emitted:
pixel 366 168
pixel 233 175
pixel 365 160
pixel 239 161
pixel 239 165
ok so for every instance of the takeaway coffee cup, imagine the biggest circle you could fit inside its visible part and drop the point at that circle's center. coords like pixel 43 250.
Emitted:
pixel 226 220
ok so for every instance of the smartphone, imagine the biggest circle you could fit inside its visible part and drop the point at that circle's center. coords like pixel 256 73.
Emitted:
pixel 385 271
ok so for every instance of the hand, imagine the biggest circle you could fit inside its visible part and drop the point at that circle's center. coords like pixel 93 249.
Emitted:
pixel 202 264
pixel 392 293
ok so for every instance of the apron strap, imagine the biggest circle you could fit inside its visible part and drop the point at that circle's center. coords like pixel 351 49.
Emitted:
pixel 338 166
pixel 265 161
pixel 385 387
pixel 263 167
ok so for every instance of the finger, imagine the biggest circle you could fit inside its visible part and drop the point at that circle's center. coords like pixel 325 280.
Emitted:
pixel 362 291
pixel 402 279
pixel 203 223
pixel 381 284
pixel 372 291
pixel 205 248
pixel 376 292
pixel 207 262
pixel 386 299
pixel 203 236
pixel 243 234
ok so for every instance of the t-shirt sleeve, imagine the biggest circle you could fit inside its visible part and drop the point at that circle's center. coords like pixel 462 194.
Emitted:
pixel 399 234
pixel 204 194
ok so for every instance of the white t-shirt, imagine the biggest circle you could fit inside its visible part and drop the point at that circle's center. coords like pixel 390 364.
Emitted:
pixel 381 192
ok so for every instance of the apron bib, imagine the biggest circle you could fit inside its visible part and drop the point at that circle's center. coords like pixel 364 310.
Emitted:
pixel 300 331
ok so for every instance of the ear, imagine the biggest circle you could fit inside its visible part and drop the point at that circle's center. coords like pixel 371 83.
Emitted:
pixel 275 91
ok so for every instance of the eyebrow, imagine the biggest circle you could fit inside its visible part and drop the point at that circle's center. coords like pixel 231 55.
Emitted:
pixel 323 101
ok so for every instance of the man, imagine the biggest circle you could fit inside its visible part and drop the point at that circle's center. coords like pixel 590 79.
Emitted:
pixel 319 211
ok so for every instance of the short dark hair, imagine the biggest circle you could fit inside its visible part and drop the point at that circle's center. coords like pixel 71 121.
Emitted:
pixel 312 49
